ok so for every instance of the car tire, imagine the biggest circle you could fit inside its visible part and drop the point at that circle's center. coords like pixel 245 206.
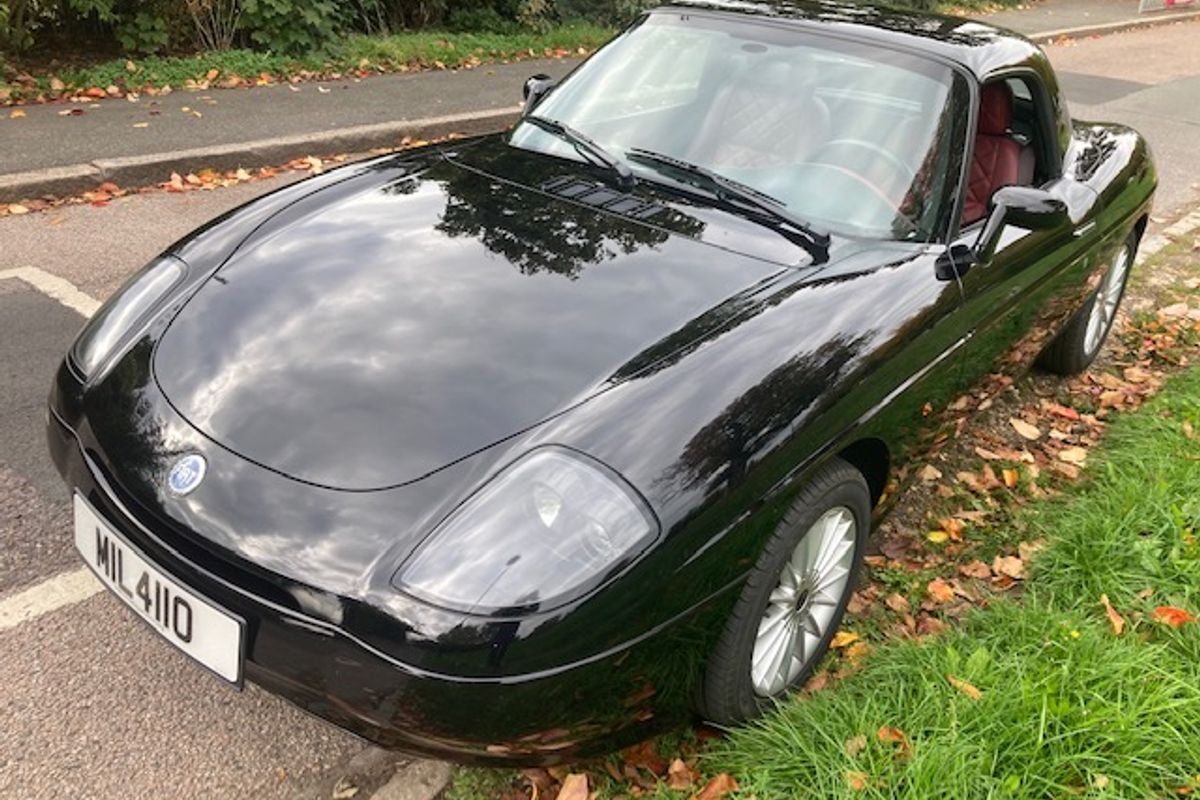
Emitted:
pixel 738 682
pixel 1078 344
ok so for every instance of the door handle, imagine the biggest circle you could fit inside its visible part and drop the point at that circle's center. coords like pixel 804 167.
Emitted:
pixel 1084 230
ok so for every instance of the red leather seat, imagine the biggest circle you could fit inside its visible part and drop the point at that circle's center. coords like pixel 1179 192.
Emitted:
pixel 997 158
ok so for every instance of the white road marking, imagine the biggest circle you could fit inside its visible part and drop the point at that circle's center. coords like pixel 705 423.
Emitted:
pixel 55 288
pixel 64 589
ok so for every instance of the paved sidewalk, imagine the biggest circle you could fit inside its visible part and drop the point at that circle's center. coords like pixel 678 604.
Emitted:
pixel 1049 17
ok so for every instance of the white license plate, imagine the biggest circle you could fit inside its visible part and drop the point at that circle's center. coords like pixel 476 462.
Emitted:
pixel 194 625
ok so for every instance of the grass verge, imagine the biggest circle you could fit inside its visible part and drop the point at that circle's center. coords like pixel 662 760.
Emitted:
pixel 1066 705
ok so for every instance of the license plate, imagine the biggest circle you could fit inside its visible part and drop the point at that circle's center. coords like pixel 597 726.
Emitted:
pixel 194 625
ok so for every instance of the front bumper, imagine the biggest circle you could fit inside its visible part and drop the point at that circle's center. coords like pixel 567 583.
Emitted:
pixel 559 715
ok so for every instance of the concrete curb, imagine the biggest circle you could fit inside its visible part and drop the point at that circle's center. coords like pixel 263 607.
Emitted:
pixel 1133 23
pixel 138 171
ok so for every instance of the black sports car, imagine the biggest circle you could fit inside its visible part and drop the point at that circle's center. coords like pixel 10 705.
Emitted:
pixel 519 448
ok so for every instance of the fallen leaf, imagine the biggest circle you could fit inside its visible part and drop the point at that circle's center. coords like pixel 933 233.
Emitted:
pixel 1062 411
pixel 1170 615
pixel 1114 619
pixel 857 651
pixel 716 788
pixel 952 526
pixel 344 789
pixel 1073 455
pixel 212 74
pixel 1188 430
pixel 890 735
pixel 323 90
pixel 141 124
pixel 16 114
pixel 972 481
pixel 645 756
pixel 56 84
pixel 17 209
pixel 930 473
pixel 970 690
pixel 843 639
pixel 1024 429
pixel 940 591
pixel 937 537
pixel 1011 477
pixel 1066 470
pixel 975 569
pixel 1011 566
pixel 242 175
pixel 1137 375
pixel 1026 549
pixel 857 781
pixel 574 787
pixel 680 775
pixel 897 602
pixel 130 66
pixel 856 745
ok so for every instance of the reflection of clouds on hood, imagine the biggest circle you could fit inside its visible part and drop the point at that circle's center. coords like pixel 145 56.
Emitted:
pixel 363 346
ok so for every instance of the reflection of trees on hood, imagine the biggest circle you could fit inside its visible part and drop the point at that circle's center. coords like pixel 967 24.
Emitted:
pixel 723 449
pixel 538 234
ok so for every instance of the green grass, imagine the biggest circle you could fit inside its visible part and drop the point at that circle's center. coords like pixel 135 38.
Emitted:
pixel 411 50
pixel 1068 708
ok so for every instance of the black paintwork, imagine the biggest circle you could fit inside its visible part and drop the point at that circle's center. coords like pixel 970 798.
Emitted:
pixel 355 354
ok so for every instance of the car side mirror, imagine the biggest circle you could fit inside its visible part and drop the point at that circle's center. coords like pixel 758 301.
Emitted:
pixel 536 88
pixel 1024 206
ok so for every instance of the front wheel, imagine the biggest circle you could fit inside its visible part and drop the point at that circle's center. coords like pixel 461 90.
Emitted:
pixel 1079 343
pixel 793 600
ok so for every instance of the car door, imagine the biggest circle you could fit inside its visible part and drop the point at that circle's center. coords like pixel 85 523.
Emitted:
pixel 1016 301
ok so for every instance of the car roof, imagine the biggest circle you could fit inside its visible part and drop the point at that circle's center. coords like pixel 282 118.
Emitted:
pixel 976 46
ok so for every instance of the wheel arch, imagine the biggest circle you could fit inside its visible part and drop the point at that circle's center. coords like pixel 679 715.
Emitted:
pixel 871 457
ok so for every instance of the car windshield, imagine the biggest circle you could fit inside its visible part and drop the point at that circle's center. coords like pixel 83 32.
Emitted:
pixel 853 138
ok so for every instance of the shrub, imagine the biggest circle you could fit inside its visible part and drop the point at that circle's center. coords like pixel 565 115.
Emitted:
pixel 291 26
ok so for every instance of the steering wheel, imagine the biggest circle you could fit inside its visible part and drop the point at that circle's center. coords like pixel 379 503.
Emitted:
pixel 877 194
pixel 902 170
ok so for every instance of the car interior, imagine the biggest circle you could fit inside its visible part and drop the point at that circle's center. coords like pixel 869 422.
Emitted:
pixel 1006 145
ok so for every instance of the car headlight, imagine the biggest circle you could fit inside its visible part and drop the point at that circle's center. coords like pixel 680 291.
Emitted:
pixel 547 529
pixel 110 327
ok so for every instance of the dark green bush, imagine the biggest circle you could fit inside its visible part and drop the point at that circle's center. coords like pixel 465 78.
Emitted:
pixel 291 26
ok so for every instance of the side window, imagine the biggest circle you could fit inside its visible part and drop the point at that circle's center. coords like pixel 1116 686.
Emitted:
pixel 1029 130
pixel 1012 142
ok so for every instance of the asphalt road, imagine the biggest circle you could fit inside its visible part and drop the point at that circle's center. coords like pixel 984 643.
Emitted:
pixel 93 704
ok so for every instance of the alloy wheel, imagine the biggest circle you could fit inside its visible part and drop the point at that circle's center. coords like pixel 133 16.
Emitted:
pixel 1108 297
pixel 803 605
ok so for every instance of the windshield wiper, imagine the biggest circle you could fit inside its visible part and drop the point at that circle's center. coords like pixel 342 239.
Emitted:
pixel 731 191
pixel 586 146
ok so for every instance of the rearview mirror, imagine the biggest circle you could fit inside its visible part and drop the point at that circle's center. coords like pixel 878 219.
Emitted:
pixel 536 88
